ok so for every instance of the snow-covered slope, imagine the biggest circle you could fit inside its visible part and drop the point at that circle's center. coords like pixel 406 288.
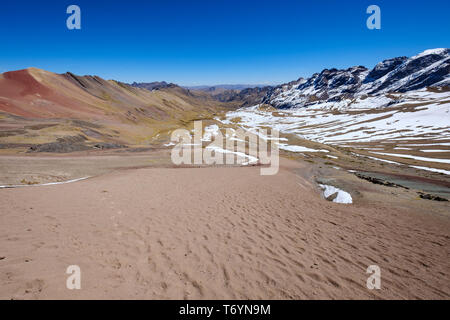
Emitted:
pixel 417 115
pixel 416 126
pixel 401 107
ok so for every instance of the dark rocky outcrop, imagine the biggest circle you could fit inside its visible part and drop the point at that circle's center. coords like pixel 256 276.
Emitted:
pixel 428 196
pixel 383 68
pixel 72 144
pixel 380 181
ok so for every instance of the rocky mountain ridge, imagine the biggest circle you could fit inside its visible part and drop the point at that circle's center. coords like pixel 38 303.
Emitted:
pixel 430 68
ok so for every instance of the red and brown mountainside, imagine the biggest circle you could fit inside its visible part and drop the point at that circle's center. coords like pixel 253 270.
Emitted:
pixel 38 106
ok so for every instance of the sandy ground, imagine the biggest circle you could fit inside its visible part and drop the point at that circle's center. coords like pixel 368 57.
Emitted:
pixel 18 169
pixel 215 233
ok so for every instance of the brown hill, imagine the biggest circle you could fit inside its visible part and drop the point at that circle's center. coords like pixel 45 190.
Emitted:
pixel 39 107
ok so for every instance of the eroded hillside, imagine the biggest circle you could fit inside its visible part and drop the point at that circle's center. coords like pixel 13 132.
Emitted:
pixel 73 112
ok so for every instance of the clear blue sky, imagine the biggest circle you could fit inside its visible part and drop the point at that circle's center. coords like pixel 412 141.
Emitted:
pixel 216 41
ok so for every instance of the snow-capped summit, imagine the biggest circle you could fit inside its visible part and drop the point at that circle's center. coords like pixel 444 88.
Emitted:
pixel 437 51
pixel 423 70
pixel 401 74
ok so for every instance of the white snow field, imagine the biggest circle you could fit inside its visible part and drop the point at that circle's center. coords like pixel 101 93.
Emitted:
pixel 342 196
pixel 413 119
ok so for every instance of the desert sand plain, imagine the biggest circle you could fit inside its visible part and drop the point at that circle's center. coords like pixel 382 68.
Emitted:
pixel 138 227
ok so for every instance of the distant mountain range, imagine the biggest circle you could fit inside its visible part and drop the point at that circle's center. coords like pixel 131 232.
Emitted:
pixel 153 85
pixel 401 74
pixel 225 87
pixel 240 94
pixel 215 88
pixel 38 106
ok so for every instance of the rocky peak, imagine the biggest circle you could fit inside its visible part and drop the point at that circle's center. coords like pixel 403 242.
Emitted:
pixel 401 74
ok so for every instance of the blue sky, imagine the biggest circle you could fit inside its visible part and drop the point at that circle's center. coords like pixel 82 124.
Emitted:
pixel 213 42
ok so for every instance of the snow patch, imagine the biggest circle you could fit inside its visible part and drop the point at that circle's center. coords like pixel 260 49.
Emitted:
pixel 342 196
pixel 432 169
pixel 435 150
pixel 414 157
pixel 43 184
pixel 294 148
